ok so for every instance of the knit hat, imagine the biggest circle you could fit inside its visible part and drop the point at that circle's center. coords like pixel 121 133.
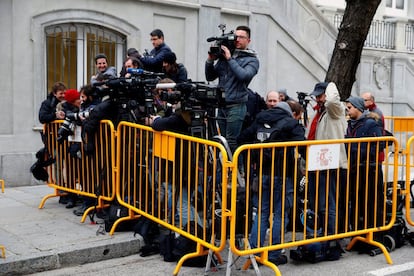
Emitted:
pixel 285 106
pixel 170 58
pixel 357 102
pixel 283 91
pixel 319 89
pixel 71 95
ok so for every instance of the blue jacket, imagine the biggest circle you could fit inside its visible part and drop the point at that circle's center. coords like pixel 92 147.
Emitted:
pixel 153 62
pixel 234 75
pixel 180 76
pixel 364 126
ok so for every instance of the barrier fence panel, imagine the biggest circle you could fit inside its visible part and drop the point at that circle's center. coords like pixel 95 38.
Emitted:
pixel 90 175
pixel 403 130
pixel 408 188
pixel 300 187
pixel 176 181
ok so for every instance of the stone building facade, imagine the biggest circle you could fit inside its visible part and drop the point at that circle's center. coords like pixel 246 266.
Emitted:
pixel 294 40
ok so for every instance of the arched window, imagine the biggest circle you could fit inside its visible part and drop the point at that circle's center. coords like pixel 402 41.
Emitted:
pixel 71 49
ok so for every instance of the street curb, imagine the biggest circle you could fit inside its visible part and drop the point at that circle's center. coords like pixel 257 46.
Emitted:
pixel 71 258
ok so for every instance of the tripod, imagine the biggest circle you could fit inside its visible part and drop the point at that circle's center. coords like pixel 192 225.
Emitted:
pixel 304 101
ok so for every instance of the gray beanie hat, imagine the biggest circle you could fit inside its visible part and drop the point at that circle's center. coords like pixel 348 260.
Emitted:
pixel 357 102
pixel 285 106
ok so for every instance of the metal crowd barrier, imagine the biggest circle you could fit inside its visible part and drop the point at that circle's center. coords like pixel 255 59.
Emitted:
pixel 176 181
pixel 180 181
pixel 372 205
pixel 79 173
pixel 407 190
pixel 401 127
pixel 403 130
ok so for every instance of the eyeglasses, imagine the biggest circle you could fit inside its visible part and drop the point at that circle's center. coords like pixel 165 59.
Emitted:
pixel 242 37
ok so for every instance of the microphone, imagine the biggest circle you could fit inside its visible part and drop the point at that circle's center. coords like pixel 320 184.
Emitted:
pixel 139 71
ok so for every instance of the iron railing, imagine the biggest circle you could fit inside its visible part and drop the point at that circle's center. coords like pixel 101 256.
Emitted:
pixel 382 34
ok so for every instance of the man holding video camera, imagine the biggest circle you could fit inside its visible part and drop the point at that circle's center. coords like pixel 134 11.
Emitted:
pixel 234 70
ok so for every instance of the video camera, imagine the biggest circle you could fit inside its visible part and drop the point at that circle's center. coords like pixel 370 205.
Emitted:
pixel 304 100
pixel 226 39
pixel 192 95
pixel 136 90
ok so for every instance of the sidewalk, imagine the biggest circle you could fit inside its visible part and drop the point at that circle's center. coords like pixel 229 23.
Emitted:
pixel 53 237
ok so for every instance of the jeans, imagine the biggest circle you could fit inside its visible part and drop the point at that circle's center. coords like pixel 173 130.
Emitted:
pixel 181 212
pixel 231 125
pixel 265 212
pixel 327 208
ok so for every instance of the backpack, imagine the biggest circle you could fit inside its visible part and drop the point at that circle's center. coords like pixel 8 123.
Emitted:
pixel 255 104
pixel 317 252
pixel 112 214
pixel 173 248
pixel 44 159
pixel 271 132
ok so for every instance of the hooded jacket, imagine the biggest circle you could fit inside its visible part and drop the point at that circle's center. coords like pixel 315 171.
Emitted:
pixel 290 130
pixel 234 75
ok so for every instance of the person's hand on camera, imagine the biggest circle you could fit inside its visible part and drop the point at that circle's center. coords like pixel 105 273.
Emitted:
pixel 149 120
pixel 60 115
pixel 226 52
pixel 211 57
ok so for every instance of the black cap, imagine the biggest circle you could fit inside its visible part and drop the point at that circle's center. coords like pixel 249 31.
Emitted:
pixel 319 88
pixel 170 58
pixel 132 52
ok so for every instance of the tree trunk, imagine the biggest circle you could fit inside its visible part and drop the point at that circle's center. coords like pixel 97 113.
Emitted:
pixel 349 44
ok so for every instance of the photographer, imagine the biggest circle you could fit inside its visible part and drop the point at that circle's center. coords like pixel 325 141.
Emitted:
pixel 123 99
pixel 173 70
pixel 179 122
pixel 153 61
pixel 104 72
pixel 277 178
pixel 70 106
pixel 234 72
pixel 47 111
pixel 131 62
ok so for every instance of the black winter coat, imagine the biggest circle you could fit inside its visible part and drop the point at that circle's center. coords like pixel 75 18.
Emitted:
pixel 291 130
pixel 47 111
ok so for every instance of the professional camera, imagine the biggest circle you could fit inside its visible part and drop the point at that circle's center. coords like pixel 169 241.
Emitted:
pixel 303 98
pixel 68 126
pixel 65 130
pixel 73 116
pixel 133 91
pixel 317 252
pixel 192 95
pixel 226 39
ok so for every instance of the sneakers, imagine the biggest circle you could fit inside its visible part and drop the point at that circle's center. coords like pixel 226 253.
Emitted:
pixel 280 260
